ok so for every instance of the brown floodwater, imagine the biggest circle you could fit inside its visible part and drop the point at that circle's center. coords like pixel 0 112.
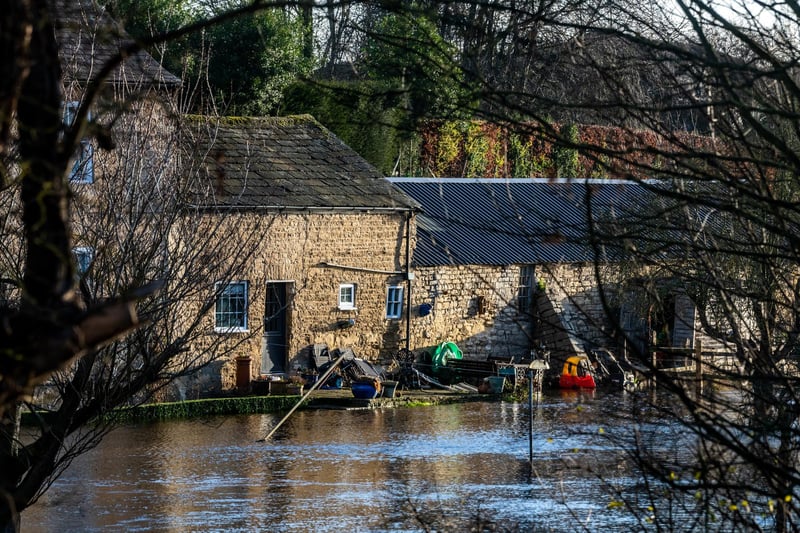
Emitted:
pixel 360 470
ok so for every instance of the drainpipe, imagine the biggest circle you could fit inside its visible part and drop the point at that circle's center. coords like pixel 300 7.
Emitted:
pixel 409 279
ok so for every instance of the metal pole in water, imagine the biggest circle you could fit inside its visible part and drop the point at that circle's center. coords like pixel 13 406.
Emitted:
pixel 318 383
pixel 537 366
pixel 530 416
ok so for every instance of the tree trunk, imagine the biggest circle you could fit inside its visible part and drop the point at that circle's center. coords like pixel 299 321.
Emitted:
pixel 308 32
pixel 9 447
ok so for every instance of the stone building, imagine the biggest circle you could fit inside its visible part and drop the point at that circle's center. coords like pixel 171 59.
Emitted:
pixel 503 267
pixel 128 140
pixel 269 235
pixel 129 116
pixel 329 262
pixel 293 239
pixel 121 143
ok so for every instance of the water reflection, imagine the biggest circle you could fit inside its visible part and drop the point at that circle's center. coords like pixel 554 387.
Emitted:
pixel 348 470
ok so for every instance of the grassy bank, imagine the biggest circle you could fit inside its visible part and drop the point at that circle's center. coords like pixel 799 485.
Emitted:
pixel 245 405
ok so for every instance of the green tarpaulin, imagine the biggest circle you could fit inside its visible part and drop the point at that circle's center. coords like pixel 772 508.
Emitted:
pixel 443 352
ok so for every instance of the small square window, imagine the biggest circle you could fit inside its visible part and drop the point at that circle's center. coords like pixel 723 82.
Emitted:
pixel 70 112
pixel 82 170
pixel 231 307
pixel 394 302
pixel 347 296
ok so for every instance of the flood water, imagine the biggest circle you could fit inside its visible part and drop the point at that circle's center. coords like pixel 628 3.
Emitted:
pixel 364 470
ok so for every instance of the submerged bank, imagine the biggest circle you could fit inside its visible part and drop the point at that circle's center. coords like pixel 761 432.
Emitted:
pixel 248 405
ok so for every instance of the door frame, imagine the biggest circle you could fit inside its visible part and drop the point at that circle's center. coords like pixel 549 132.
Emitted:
pixel 283 334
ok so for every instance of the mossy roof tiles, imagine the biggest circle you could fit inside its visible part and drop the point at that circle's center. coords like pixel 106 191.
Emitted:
pixel 285 162
pixel 88 38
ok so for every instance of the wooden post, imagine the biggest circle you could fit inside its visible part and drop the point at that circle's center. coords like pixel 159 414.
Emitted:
pixel 320 381
pixel 698 366
pixel 653 347
pixel 530 417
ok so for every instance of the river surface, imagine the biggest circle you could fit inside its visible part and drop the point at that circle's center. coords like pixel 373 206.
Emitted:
pixel 404 469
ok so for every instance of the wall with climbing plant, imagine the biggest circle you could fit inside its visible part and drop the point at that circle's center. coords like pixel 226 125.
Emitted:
pixel 475 149
pixel 372 123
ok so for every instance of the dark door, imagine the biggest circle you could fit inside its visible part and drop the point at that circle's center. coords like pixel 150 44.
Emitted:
pixel 273 353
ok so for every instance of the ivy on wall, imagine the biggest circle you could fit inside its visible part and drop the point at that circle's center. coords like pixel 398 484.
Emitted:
pixel 565 158
pixel 476 149
pixel 519 151
pixel 479 149
pixel 448 147
pixel 369 119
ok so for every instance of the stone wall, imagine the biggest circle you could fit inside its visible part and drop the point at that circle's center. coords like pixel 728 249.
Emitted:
pixel 473 306
pixel 571 317
pixel 476 307
pixel 313 253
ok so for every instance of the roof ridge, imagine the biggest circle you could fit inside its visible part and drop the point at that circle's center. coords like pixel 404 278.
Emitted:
pixel 285 120
pixel 540 180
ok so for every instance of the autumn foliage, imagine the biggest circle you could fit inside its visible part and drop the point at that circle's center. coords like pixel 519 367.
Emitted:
pixel 486 150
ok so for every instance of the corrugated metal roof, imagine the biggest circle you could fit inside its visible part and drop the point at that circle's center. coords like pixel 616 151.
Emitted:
pixel 514 221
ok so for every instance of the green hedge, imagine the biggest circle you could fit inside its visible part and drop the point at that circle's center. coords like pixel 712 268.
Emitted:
pixel 246 405
pixel 189 409
pixel 363 116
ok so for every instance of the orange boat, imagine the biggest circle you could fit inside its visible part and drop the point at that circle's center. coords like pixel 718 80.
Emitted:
pixel 577 373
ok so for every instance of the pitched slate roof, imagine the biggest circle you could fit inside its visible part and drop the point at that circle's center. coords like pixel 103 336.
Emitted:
pixel 283 163
pixel 88 37
pixel 514 221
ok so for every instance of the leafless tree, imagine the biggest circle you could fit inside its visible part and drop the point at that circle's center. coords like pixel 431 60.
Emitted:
pixel 701 100
pixel 720 226
pixel 98 241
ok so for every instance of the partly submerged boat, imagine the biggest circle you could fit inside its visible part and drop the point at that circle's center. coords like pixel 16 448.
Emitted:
pixel 577 373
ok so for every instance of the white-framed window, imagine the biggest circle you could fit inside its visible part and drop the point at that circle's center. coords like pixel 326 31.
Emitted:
pixel 83 166
pixel 82 170
pixel 525 289
pixel 83 255
pixel 230 314
pixel 394 301
pixel 70 111
pixel 347 296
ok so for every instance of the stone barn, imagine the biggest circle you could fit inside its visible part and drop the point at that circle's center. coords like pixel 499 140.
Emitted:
pixel 504 266
pixel 323 239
